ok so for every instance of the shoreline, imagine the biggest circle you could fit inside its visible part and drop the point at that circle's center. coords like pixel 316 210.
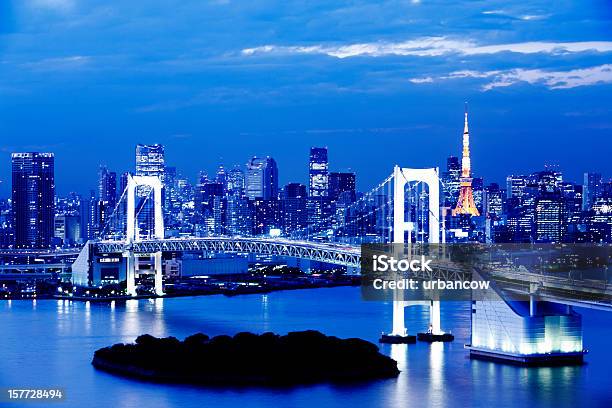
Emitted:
pixel 225 292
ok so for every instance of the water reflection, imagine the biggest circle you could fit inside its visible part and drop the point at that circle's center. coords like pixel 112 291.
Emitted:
pixel 438 375
pixel 399 393
pixel 436 368
pixel 549 386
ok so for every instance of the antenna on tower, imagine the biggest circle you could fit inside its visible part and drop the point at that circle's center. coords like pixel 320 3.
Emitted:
pixel 466 107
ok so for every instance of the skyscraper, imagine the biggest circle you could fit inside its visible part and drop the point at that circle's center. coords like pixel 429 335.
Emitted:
pixel 342 186
pixel 515 186
pixel 318 172
pixel 33 199
pixel 450 179
pixel 493 201
pixel 591 190
pixel 293 208
pixel 107 192
pixel 235 181
pixel 262 178
pixel 239 215
pixel 222 177
pixel 465 203
pixel 549 219
pixel 150 160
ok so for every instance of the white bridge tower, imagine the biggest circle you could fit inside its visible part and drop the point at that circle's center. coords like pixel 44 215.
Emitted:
pixel 402 176
pixel 133 235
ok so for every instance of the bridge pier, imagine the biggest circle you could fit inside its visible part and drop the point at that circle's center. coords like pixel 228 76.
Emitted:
pixel 434 316
pixel 130 273
pixel 159 291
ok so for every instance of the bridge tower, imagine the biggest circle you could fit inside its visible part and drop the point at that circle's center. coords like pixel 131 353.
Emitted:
pixel 133 234
pixel 402 176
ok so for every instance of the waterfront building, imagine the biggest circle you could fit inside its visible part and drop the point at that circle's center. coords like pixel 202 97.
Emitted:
pixel 33 199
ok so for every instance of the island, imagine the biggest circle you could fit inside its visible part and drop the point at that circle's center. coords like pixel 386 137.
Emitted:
pixel 248 359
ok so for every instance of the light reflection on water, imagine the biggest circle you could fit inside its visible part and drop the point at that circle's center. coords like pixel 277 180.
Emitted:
pixel 65 334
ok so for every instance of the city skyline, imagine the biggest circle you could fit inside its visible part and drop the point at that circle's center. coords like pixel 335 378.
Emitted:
pixel 303 172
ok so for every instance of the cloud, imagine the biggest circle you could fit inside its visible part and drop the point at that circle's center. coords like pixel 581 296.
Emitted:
pixel 596 75
pixel 510 14
pixel 52 4
pixel 59 64
pixel 431 47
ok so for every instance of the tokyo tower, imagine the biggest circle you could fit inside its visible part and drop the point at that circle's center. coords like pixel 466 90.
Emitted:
pixel 465 204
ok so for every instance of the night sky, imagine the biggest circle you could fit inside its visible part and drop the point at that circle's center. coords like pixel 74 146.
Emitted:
pixel 378 82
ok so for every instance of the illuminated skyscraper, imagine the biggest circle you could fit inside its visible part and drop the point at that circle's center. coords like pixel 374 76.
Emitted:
pixel 465 204
pixel 262 178
pixel 318 172
pixel 33 199
pixel 107 193
pixel 591 190
pixel 150 160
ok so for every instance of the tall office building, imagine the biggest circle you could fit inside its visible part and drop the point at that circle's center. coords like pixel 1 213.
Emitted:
pixel 493 201
pixel 89 217
pixel 221 178
pixel 465 203
pixel 239 216
pixel 318 172
pixel 33 194
pixel 235 181
pixel 293 208
pixel 150 160
pixel 478 192
pixel 591 190
pixel 107 193
pixel 515 186
pixel 450 179
pixel 549 219
pixel 342 187
pixel 262 178
pixel 267 215
pixel 107 186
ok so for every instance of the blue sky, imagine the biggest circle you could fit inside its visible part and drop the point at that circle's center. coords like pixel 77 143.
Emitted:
pixel 379 83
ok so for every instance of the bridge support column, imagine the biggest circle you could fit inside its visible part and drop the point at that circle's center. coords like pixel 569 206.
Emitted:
pixel 131 274
pixel 401 228
pixel 434 316
pixel 399 325
pixel 159 291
